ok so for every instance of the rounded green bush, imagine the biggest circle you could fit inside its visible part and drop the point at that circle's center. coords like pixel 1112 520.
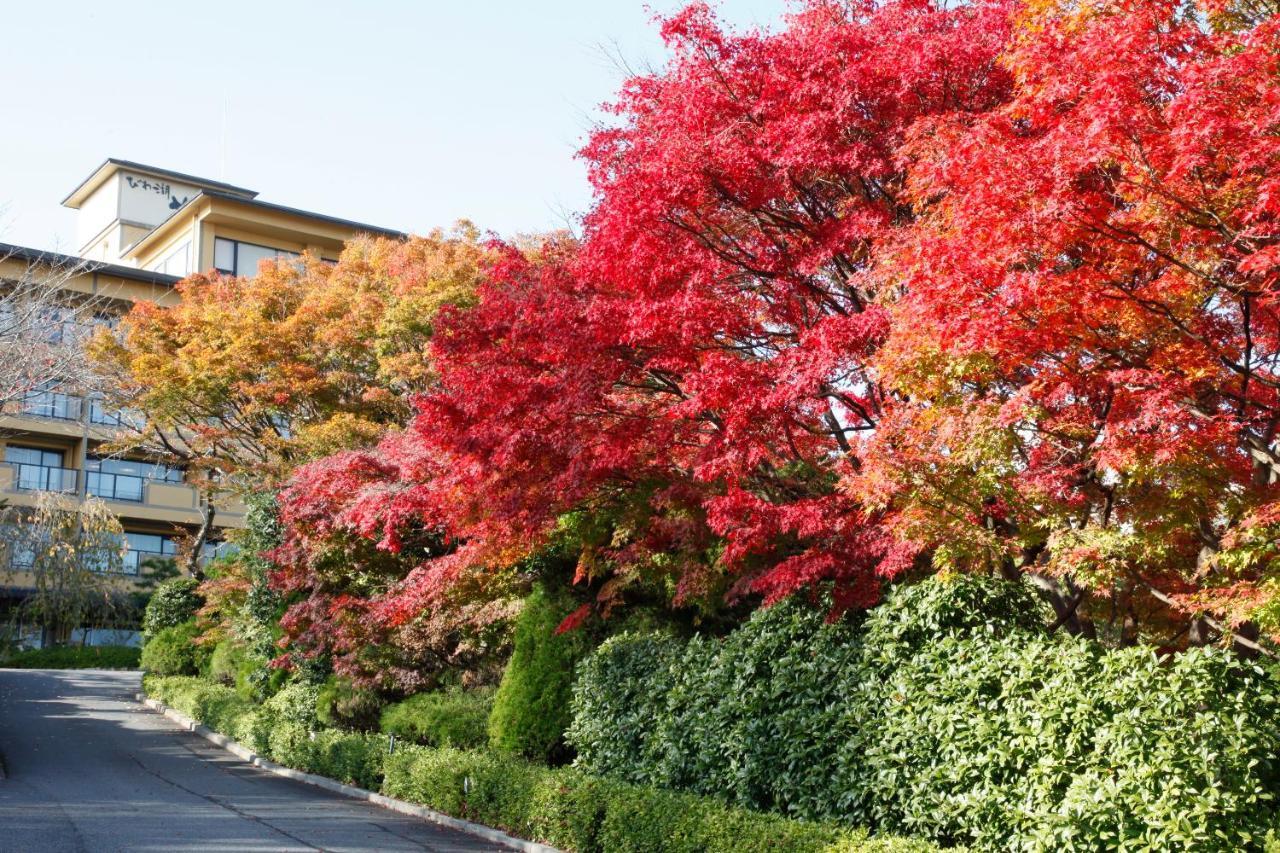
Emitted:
pixel 448 718
pixel 173 651
pixel 342 705
pixel 531 708
pixel 175 601
pixel 225 661
pixel 916 615
pixel 295 703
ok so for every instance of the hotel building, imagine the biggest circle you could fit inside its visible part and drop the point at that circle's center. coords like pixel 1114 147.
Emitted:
pixel 140 230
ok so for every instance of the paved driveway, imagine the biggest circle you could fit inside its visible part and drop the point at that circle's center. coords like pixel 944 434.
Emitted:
pixel 89 769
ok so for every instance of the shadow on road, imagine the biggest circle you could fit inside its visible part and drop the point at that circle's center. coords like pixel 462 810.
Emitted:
pixel 91 770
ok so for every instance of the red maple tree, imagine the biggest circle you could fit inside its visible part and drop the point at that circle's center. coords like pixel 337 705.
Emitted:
pixel 991 288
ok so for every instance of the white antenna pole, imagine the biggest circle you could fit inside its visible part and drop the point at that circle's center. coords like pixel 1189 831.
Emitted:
pixel 222 152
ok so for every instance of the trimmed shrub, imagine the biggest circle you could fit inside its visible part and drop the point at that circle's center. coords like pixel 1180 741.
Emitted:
pixel 275 731
pixel 576 811
pixel 619 694
pixel 174 602
pixel 1058 744
pixel 565 807
pixel 295 703
pixel 754 718
pixel 216 706
pixel 225 662
pixel 351 757
pixel 992 734
pixel 341 705
pixel 173 651
pixel 76 657
pixel 531 708
pixel 914 616
pixel 448 718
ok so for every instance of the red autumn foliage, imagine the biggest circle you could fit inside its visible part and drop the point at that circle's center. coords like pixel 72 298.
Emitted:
pixel 991 287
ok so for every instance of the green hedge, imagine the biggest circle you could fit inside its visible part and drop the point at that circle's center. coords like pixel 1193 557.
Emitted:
pixel 576 811
pixel 990 734
pixel 75 657
pixel 755 718
pixel 563 807
pixel 451 718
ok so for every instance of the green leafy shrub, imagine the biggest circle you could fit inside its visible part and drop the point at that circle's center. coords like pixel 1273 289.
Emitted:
pixel 341 705
pixel 450 718
pixel 174 602
pixel 565 807
pixel 295 703
pixel 619 694
pixel 914 616
pixel 576 811
pixel 173 651
pixel 256 679
pixel 75 657
pixel 352 757
pixel 215 705
pixel 754 718
pixel 531 708
pixel 993 734
pixel 1058 744
pixel 225 662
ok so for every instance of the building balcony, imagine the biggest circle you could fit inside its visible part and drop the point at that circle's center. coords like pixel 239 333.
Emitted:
pixel 62 408
pixel 43 478
pixel 128 497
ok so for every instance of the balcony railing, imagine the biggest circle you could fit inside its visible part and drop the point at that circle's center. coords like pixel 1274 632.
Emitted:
pixel 51 404
pixel 100 416
pixel 114 487
pixel 71 407
pixel 43 478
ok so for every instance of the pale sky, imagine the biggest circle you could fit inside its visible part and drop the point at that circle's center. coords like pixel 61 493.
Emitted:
pixel 406 115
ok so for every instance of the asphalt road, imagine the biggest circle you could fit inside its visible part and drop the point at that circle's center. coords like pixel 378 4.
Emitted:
pixel 89 769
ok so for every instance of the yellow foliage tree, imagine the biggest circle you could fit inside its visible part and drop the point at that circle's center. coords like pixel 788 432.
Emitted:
pixel 252 376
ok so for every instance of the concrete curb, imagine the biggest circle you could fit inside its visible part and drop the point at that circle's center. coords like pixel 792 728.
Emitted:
pixel 249 756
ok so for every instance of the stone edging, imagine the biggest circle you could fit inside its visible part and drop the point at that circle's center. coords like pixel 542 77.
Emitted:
pixel 248 755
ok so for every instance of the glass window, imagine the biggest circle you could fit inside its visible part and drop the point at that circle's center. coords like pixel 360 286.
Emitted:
pixel 224 255
pixel 155 471
pixel 19 455
pixel 214 549
pixel 100 414
pixel 21 542
pixel 249 256
pixel 236 257
pixel 178 262
pixel 39 470
pixel 139 547
pixel 124 479
pixel 48 402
